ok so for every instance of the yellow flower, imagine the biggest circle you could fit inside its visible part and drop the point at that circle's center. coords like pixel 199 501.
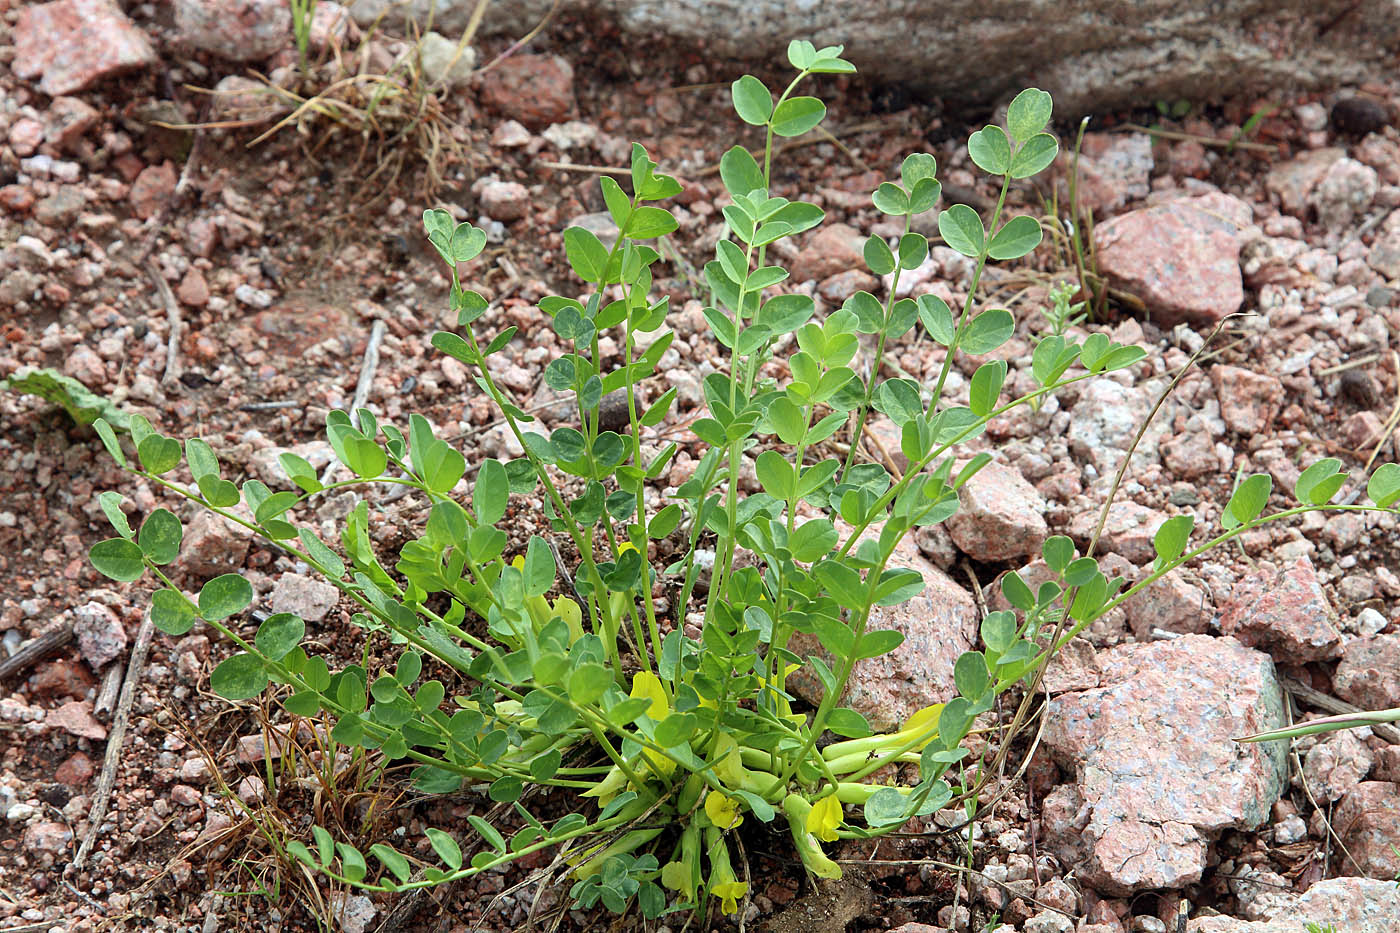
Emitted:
pixel 729 893
pixel 723 884
pixel 923 723
pixel 723 811
pixel 648 685
pixel 826 815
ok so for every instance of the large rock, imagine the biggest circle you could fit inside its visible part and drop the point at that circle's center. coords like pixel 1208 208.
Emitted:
pixel 1182 258
pixel 1366 820
pixel 1369 674
pixel 72 44
pixel 1093 55
pixel 537 90
pixel 1157 772
pixel 1000 515
pixel 1353 905
pixel 938 625
pixel 1284 612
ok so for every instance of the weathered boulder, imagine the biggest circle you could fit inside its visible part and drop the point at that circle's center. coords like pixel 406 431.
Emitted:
pixel 1356 905
pixel 1157 773
pixel 1093 55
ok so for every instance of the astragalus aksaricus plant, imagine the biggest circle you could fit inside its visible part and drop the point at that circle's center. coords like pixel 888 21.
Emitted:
pixel 571 677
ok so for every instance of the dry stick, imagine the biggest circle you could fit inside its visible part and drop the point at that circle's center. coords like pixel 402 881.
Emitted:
pixel 1337 707
pixel 102 795
pixel 522 41
pixel 1349 364
pixel 178 195
pixel 580 167
pixel 1193 138
pixel 1390 423
pixel 1327 821
pixel 270 406
pixel 367 368
pixel 868 126
pixel 111 687
pixel 172 320
pixel 36 648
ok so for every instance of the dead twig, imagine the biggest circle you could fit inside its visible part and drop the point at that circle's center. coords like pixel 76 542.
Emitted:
pixel 270 406
pixel 580 167
pixel 173 324
pixel 869 126
pixel 37 647
pixel 1193 138
pixel 1393 420
pixel 109 691
pixel 103 793
pixel 1349 364
pixel 1335 706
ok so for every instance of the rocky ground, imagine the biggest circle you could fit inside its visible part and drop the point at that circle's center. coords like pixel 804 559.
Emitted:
pixel 273 262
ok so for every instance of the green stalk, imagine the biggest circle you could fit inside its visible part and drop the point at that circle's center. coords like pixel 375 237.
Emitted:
pixel 864 410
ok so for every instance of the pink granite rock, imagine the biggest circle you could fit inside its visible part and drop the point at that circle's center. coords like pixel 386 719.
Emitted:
pixel 1336 764
pixel 1136 820
pixel 1294 180
pixel 1369 673
pixel 101 637
pixel 1351 905
pixel 833 248
pixel 1366 820
pixel 1284 612
pixel 1128 531
pixel 1172 604
pixel 505 200
pixel 1182 258
pixel 212 546
pixel 536 90
pixel 73 44
pixel 938 625
pixel 1000 516
pixel 75 717
pixel 1248 400
pixel 307 597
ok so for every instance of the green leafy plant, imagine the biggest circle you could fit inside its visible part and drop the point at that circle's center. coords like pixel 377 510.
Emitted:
pixel 578 680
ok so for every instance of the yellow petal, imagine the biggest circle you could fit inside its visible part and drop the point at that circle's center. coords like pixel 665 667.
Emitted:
pixel 723 811
pixel 729 893
pixel 923 722
pixel 648 685
pixel 728 763
pixel 824 818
